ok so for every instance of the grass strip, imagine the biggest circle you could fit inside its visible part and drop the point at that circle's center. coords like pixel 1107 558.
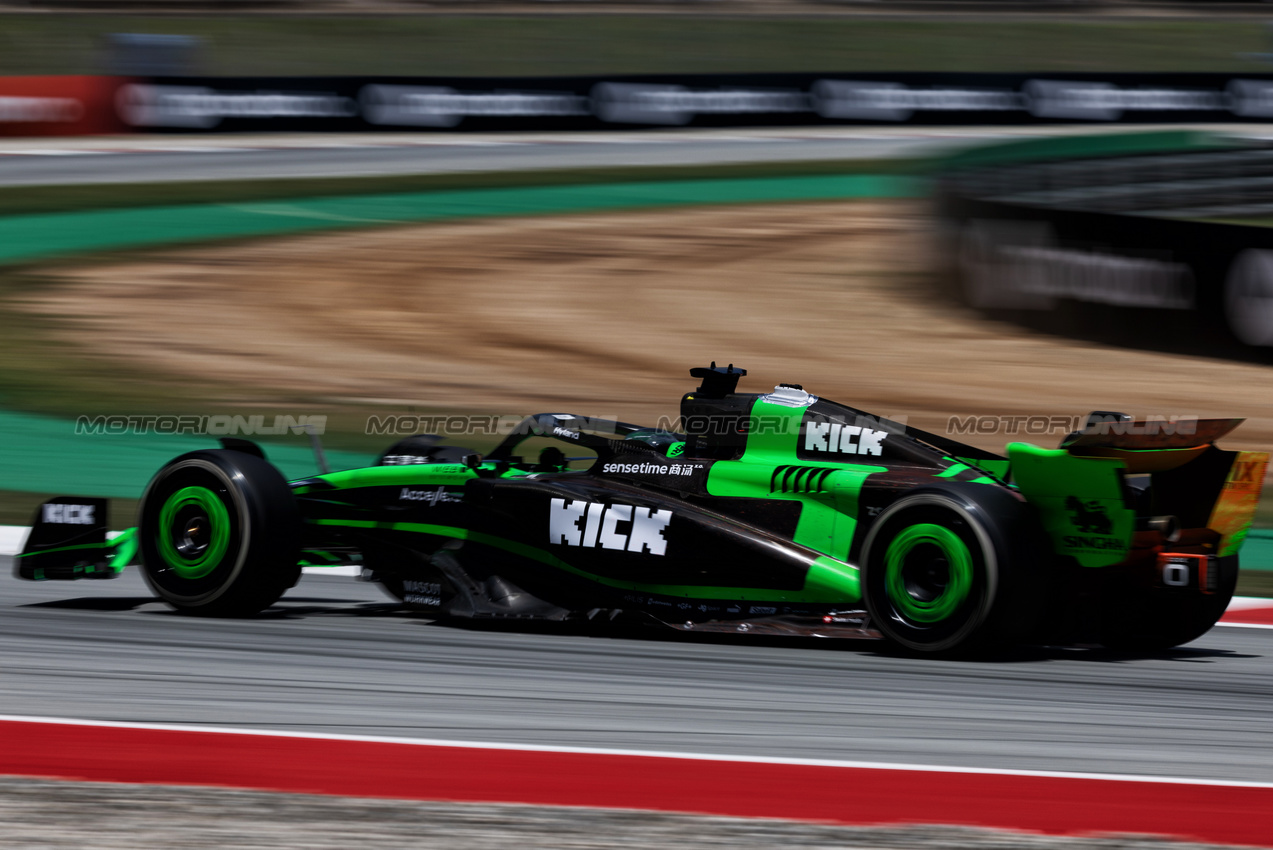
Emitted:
pixel 662 41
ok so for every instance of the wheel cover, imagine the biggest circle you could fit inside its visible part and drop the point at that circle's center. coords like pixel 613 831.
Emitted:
pixel 194 532
pixel 928 573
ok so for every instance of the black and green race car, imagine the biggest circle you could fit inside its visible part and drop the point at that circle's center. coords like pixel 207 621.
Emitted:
pixel 779 514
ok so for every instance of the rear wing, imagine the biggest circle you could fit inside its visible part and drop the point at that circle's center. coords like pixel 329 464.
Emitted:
pixel 68 540
pixel 1125 484
pixel 1149 446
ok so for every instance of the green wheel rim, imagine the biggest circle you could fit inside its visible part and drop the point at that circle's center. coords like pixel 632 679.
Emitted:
pixel 206 504
pixel 959 573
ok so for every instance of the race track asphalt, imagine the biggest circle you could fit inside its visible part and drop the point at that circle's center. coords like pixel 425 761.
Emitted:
pixel 337 656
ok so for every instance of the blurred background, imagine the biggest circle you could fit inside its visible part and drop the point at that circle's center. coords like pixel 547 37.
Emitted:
pixel 985 218
pixel 481 38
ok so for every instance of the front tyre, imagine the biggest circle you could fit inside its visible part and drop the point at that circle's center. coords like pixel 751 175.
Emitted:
pixel 932 574
pixel 219 534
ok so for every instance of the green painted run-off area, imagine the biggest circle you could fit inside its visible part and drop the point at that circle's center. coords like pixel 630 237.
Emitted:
pixel 40 454
pixel 32 237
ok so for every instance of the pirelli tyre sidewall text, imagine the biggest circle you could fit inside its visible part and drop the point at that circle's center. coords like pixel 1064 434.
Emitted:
pixel 219 534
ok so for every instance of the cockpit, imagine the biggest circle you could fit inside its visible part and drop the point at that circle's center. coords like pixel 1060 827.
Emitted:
pixel 559 442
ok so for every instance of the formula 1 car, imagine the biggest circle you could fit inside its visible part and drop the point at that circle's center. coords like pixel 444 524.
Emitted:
pixel 777 513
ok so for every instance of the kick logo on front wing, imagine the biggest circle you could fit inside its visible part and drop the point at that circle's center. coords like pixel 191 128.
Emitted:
pixel 620 527
pixel 60 514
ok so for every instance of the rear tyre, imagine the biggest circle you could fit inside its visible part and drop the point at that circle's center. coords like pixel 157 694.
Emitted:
pixel 935 575
pixel 219 534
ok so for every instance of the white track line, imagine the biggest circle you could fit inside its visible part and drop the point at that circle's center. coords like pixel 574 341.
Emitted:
pixel 1245 603
pixel 12 539
pixel 49 152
